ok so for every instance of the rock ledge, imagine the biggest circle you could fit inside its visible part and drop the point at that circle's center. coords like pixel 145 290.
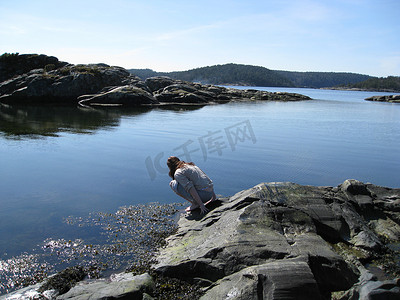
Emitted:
pixel 281 241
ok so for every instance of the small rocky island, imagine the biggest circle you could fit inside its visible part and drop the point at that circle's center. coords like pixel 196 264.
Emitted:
pixel 386 98
pixel 272 241
pixel 38 79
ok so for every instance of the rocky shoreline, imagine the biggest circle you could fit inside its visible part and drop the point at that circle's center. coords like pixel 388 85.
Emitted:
pixel 343 88
pixel 272 241
pixel 38 79
pixel 386 98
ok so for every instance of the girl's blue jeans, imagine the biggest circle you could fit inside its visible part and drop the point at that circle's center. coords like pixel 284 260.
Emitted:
pixel 179 190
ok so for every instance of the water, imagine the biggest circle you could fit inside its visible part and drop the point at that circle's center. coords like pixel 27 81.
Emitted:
pixel 66 161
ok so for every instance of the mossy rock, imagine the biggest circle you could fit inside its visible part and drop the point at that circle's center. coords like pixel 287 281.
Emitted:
pixel 64 280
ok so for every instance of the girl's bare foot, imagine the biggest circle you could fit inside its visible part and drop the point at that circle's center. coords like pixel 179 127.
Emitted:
pixel 191 207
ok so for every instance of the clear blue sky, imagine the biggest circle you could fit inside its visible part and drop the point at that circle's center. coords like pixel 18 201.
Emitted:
pixel 361 36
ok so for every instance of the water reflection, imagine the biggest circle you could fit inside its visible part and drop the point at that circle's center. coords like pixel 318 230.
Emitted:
pixel 41 121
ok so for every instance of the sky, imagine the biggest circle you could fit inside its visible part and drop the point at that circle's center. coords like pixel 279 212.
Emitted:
pixel 359 36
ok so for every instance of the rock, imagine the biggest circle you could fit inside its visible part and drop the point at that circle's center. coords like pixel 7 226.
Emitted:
pixel 64 280
pixel 386 98
pixel 389 289
pixel 30 292
pixel 278 241
pixel 368 287
pixel 157 83
pixel 386 227
pixel 263 95
pixel 63 85
pixel 127 95
pixel 180 97
pixel 186 93
pixel 357 192
pixel 355 187
pixel 272 280
pixel 120 286
pixel 12 65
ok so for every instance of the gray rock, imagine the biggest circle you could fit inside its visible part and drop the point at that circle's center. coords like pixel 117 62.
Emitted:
pixel 268 281
pixel 180 97
pixel 385 98
pixel 120 286
pixel 128 95
pixel 389 289
pixel 274 241
pixel 184 93
pixel 158 83
pixel 355 187
pixel 30 292
pixel 368 287
pixel 263 95
pixel 64 85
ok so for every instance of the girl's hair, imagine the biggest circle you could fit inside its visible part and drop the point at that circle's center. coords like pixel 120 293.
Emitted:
pixel 174 164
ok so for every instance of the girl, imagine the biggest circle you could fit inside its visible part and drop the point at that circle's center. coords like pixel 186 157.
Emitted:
pixel 191 183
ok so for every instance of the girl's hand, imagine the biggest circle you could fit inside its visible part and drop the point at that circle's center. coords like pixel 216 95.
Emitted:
pixel 203 209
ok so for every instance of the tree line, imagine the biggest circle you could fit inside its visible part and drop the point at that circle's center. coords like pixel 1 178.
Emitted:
pixel 387 84
pixel 247 75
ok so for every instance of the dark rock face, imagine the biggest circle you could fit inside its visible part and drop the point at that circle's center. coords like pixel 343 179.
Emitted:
pixel 128 95
pixel 40 78
pixel 158 83
pixel 12 65
pixel 281 241
pixel 387 98
pixel 63 85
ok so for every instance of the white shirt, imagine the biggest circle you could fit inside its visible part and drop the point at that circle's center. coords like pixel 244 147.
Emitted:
pixel 192 176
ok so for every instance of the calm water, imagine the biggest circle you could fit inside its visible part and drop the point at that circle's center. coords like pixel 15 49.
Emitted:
pixel 58 162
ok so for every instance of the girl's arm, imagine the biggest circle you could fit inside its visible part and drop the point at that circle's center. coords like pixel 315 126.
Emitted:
pixel 196 197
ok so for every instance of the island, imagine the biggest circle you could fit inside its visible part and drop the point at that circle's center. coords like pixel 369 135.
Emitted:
pixel 41 79
pixel 385 98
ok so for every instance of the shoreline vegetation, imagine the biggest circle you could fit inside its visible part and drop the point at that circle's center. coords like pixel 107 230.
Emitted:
pixel 305 242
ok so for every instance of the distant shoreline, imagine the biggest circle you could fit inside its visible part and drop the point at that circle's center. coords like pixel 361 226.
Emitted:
pixel 314 88
pixel 360 90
